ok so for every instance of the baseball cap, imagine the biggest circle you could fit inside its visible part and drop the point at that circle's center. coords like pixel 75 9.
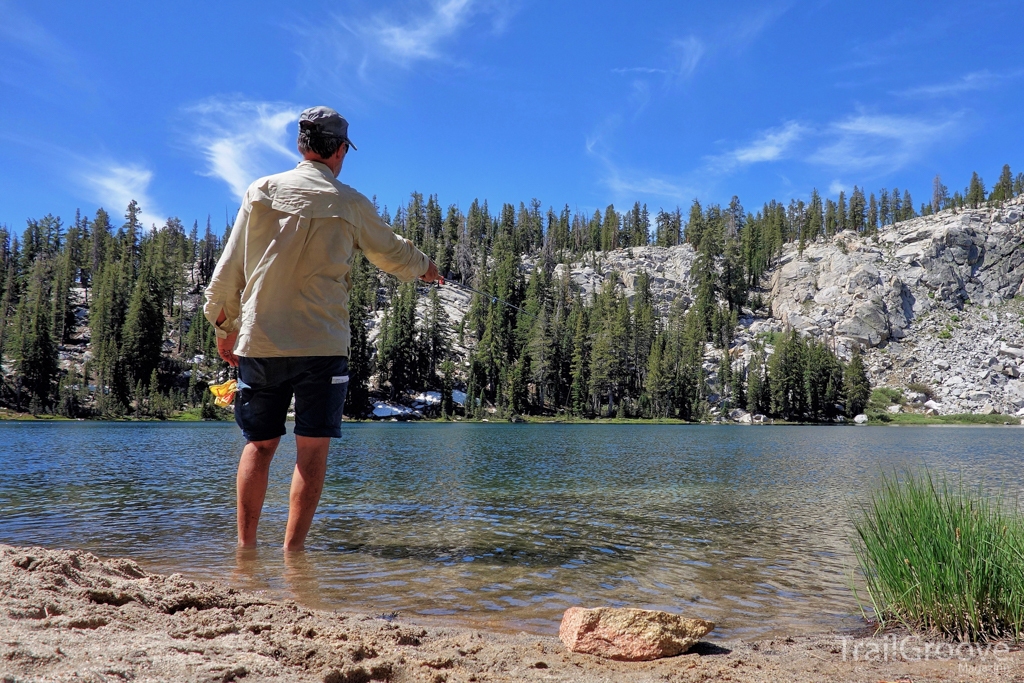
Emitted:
pixel 326 121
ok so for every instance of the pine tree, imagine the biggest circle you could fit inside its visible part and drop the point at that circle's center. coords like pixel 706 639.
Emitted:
pixel 1003 189
pixel 908 206
pixel 362 301
pixel 786 370
pixel 815 217
pixel 856 386
pixel 940 195
pixel 143 329
pixel 976 191
pixel 578 392
pixel 695 225
pixel 884 210
pixel 831 223
pixel 872 225
pixel 610 228
pixel 857 210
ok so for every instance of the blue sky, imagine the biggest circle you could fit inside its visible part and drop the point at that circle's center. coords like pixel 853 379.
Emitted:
pixel 181 105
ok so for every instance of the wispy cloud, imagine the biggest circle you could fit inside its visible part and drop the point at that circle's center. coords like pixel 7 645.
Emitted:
pixel 242 140
pixel 626 184
pixel 689 51
pixel 977 80
pixel 33 48
pixel 879 143
pixel 771 145
pixel 684 55
pixel 113 185
pixel 682 58
pixel 419 37
pixel 368 45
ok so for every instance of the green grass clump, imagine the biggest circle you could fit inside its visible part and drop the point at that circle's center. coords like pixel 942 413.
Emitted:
pixel 943 559
pixel 921 388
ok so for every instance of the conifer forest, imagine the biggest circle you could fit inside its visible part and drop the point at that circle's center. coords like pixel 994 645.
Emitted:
pixel 101 317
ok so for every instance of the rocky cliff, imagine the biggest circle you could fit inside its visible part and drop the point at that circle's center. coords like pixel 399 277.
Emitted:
pixel 931 300
pixel 935 302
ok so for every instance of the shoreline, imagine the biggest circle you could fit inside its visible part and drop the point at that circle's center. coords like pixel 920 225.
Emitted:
pixel 67 615
pixel 916 420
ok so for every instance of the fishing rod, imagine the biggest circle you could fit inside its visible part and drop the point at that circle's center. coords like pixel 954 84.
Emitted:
pixel 494 299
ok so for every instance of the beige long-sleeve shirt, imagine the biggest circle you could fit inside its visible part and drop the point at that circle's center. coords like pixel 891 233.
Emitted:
pixel 283 280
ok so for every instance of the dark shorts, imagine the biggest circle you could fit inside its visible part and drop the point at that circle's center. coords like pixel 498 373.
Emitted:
pixel 266 387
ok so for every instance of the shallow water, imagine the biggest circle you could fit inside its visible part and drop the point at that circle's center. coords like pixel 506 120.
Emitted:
pixel 499 526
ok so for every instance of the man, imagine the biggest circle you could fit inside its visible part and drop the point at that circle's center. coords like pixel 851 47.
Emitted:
pixel 279 302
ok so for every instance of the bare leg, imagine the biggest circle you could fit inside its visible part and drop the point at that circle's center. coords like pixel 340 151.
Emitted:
pixel 307 484
pixel 253 470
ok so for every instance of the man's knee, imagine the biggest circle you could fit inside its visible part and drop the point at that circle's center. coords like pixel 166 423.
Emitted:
pixel 263 450
pixel 311 451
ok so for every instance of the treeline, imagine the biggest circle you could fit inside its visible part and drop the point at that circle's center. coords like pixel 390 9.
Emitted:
pixel 148 350
pixel 138 286
pixel 547 349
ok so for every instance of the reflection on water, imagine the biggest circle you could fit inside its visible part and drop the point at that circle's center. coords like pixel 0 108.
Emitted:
pixel 503 526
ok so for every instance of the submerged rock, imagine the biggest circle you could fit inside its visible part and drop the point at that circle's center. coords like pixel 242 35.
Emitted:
pixel 628 634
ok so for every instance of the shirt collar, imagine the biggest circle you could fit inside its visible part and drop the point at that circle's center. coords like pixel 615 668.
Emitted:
pixel 320 166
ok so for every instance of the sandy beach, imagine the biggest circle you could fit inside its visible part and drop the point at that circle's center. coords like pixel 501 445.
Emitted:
pixel 66 615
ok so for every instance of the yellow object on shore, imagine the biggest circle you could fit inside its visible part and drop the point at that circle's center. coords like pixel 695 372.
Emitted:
pixel 224 393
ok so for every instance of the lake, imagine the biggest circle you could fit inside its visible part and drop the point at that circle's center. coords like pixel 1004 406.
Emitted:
pixel 496 525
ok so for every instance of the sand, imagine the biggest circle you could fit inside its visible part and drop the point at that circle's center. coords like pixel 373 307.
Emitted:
pixel 66 615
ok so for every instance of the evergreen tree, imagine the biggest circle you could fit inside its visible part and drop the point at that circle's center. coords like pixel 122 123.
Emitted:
pixel 786 370
pixel 35 351
pixel 858 208
pixel 1003 189
pixel 695 225
pixel 362 301
pixel 872 225
pixel 143 329
pixel 908 206
pixel 940 195
pixel 856 386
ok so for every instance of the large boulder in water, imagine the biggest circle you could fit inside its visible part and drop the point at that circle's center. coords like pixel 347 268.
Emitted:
pixel 632 635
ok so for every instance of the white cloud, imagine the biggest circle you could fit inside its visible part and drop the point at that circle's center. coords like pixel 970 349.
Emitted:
pixel 772 145
pixel 836 186
pixel 48 57
pixel 419 37
pixel 366 46
pixel 684 56
pixel 978 80
pixel 628 184
pixel 688 51
pixel 114 185
pixel 880 143
pixel 243 140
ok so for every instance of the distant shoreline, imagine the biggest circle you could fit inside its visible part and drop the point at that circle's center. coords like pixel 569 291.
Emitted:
pixel 902 420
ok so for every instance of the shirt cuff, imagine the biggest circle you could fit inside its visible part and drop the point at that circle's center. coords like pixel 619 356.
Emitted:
pixel 226 328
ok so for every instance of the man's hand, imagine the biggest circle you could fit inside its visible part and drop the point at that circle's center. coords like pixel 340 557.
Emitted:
pixel 226 349
pixel 432 275
pixel 226 346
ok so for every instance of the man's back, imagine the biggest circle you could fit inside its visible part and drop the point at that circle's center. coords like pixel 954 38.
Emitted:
pixel 289 258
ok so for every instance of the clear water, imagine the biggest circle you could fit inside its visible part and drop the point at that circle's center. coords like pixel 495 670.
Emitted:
pixel 499 526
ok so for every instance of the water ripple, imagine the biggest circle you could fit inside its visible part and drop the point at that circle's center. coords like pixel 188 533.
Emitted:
pixel 498 525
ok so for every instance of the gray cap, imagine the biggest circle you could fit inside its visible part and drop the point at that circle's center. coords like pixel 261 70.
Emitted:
pixel 325 121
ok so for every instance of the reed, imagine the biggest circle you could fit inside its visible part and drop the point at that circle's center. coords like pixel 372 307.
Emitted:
pixel 943 559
